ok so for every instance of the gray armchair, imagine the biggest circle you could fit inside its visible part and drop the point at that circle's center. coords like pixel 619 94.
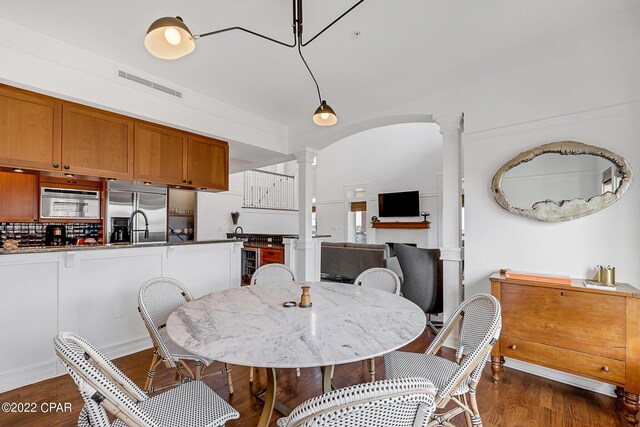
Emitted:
pixel 422 274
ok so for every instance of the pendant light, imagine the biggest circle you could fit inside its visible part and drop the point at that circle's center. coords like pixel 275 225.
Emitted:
pixel 324 115
pixel 170 38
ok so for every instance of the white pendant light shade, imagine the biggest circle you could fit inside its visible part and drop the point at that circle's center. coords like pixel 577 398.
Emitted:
pixel 169 38
pixel 324 115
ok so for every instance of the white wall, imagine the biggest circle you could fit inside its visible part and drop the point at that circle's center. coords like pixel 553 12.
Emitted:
pixel 497 239
pixel 405 157
pixel 214 210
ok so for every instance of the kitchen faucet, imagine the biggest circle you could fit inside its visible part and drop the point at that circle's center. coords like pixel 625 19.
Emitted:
pixel 146 224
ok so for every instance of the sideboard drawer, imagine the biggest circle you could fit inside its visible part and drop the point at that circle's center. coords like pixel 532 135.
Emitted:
pixel 565 318
pixel 588 365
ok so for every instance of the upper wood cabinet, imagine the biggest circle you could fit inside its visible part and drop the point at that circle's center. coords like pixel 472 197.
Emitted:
pixel 207 163
pixel 160 154
pixel 39 132
pixel 30 130
pixel 18 197
pixel 96 142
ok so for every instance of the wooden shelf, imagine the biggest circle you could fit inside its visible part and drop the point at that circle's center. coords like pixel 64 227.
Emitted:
pixel 406 225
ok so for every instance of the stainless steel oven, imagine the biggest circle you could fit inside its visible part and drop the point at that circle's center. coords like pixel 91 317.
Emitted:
pixel 67 203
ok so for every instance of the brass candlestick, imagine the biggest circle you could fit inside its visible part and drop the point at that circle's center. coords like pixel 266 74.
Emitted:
pixel 305 299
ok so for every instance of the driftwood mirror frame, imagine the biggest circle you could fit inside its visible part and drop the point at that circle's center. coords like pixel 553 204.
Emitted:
pixel 563 210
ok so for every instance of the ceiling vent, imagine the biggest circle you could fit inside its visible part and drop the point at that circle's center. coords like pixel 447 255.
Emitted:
pixel 149 83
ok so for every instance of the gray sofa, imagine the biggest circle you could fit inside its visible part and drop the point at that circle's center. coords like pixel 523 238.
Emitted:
pixel 345 261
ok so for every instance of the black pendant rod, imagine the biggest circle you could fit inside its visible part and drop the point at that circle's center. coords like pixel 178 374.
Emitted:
pixel 297 27
pixel 330 25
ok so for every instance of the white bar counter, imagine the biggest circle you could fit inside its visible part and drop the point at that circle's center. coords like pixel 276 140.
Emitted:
pixel 94 293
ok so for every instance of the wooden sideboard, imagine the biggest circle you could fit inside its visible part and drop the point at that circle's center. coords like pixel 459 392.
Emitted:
pixel 588 332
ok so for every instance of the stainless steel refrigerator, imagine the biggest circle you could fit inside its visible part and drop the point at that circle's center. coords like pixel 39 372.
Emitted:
pixel 124 199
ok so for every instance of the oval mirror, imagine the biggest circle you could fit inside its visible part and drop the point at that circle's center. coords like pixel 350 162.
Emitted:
pixel 561 181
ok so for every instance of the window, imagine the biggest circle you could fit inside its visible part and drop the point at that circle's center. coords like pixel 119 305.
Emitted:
pixel 359 214
pixel 269 190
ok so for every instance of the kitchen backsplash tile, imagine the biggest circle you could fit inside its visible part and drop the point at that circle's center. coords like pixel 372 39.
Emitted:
pixel 32 233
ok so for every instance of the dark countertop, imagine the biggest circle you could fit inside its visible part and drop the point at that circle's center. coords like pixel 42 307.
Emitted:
pixel 33 250
pixel 262 245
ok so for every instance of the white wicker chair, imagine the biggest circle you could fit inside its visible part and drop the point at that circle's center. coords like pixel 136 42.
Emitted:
pixel 455 381
pixel 383 279
pixel 272 274
pixel 379 278
pixel 403 402
pixel 104 388
pixel 157 299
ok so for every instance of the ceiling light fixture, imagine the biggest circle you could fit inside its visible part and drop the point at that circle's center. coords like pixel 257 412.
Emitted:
pixel 170 38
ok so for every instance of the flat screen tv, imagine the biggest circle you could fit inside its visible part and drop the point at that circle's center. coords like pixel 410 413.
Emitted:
pixel 405 203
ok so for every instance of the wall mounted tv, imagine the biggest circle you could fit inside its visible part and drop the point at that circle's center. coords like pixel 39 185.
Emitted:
pixel 406 203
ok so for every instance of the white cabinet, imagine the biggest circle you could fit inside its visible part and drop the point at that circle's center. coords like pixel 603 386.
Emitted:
pixel 29 316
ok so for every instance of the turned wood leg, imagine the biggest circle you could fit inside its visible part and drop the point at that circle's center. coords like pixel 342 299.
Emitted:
pixel 371 364
pixel 497 364
pixel 152 372
pixel 631 405
pixel 227 368
pixel 619 391
pixel 327 376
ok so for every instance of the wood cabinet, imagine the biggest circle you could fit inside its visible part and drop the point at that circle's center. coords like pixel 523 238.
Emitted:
pixel 30 130
pixel 96 143
pixel 271 256
pixel 18 197
pixel 160 154
pixel 571 328
pixel 207 163
pixel 42 133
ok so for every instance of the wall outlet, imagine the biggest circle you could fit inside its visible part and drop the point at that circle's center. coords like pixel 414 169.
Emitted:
pixel 117 311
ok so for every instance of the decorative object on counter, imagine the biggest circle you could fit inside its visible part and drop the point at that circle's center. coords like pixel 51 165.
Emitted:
pixel 90 241
pixel 552 196
pixel 424 215
pixel 289 304
pixel 234 217
pixel 596 284
pixel 375 219
pixel 504 271
pixel 605 274
pixel 537 277
pixel 10 245
pixel 305 298
pixel 55 235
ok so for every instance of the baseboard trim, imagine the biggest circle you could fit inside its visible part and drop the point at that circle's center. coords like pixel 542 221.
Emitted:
pixel 28 375
pixel 562 377
pixel 50 369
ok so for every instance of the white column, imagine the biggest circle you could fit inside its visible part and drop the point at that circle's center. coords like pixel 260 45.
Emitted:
pixel 451 128
pixel 305 258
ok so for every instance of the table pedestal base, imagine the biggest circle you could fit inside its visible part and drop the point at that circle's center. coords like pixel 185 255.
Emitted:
pixel 268 396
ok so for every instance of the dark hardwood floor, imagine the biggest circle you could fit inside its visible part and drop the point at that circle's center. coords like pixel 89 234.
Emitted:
pixel 518 400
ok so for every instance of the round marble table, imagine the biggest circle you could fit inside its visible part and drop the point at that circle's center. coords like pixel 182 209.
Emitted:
pixel 249 326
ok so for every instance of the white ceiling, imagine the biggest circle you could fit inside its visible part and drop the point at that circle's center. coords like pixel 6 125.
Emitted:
pixel 407 48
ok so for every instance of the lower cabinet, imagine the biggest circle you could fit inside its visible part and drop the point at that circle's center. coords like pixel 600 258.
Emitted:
pixel 271 256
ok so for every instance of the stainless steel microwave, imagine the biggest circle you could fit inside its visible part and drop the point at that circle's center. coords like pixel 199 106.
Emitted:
pixel 67 203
